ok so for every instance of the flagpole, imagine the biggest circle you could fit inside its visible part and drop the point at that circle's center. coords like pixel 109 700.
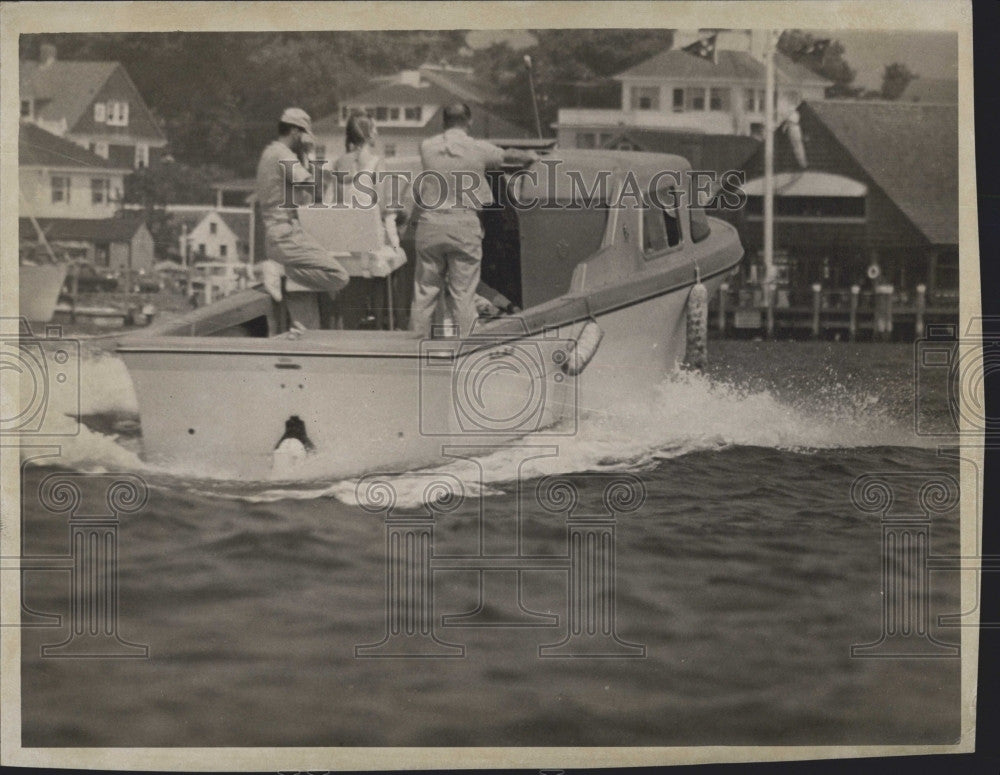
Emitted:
pixel 769 181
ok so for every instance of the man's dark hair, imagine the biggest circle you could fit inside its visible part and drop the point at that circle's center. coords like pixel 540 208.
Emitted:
pixel 284 129
pixel 457 114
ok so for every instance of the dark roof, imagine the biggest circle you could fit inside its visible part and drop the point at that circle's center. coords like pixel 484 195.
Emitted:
pixel 37 147
pixel 63 89
pixel 731 66
pixel 402 94
pixel 931 90
pixel 466 86
pixel 82 229
pixel 910 150
pixel 704 151
pixel 485 125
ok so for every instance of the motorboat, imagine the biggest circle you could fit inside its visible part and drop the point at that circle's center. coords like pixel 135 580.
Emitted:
pixel 598 284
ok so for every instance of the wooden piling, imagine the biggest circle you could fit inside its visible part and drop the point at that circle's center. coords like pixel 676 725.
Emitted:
pixel 769 307
pixel 817 304
pixel 723 291
pixel 853 325
pixel 918 326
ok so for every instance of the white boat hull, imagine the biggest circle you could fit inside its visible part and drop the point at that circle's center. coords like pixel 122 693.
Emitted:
pixel 220 410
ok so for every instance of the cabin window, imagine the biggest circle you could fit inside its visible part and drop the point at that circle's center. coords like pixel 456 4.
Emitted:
pixel 678 101
pixel 394 114
pixel 381 113
pixel 213 228
pixel 661 228
pixel 696 98
pixel 413 114
pixel 60 189
pixel 645 98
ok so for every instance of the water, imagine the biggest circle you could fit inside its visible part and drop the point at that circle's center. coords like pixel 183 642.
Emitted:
pixel 746 574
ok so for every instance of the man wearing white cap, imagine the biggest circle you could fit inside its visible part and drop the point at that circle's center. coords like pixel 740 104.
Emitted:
pixel 305 260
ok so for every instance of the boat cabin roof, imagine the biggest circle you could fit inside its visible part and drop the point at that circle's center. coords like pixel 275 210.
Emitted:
pixel 575 166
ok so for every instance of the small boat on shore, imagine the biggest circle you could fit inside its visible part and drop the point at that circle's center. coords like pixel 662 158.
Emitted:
pixel 601 283
pixel 38 290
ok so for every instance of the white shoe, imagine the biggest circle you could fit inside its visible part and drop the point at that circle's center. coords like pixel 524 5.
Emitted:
pixel 271 275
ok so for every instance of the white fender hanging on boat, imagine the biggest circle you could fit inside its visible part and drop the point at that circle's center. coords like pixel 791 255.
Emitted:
pixel 583 348
pixel 696 353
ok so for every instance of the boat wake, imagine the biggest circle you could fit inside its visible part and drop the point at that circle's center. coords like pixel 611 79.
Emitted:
pixel 689 413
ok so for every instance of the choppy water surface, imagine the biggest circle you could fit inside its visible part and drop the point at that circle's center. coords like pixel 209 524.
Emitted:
pixel 746 574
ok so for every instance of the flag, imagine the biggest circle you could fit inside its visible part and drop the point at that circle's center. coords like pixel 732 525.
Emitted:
pixel 704 48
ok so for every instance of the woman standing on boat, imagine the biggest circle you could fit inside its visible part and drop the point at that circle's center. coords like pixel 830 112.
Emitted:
pixel 358 173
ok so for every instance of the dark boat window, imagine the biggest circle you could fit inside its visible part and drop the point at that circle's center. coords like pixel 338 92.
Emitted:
pixel 699 224
pixel 661 228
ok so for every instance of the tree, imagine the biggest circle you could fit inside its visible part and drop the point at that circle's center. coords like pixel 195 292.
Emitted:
pixel 824 57
pixel 895 78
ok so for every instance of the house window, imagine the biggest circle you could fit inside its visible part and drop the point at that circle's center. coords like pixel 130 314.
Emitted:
pixel 719 99
pixel 223 249
pixel 414 113
pixel 25 108
pixel 389 149
pixel 100 112
pixel 585 140
pixel 213 228
pixel 381 113
pixel 201 248
pixel 645 98
pixel 117 113
pixel 101 149
pixel 696 98
pixel 60 189
pixel 100 191
pixel 141 156
pixel 604 138
pixel 394 114
pixel 678 100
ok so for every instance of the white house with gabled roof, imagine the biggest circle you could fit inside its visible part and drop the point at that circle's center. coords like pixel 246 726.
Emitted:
pixel 710 81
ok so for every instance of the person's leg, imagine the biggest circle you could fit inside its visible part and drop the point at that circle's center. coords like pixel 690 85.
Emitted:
pixel 464 264
pixel 308 263
pixel 428 278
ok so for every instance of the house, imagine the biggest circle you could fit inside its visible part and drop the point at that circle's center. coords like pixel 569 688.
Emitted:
pixel 59 179
pixel 94 104
pixel 73 196
pixel 215 235
pixel 118 244
pixel 407 109
pixel 710 81
pixel 876 202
